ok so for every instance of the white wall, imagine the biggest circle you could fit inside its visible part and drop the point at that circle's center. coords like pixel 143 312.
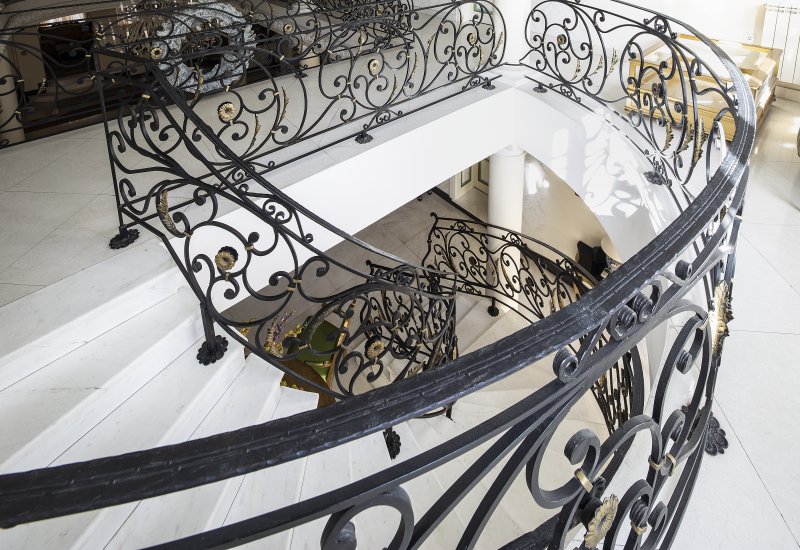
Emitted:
pixel 723 19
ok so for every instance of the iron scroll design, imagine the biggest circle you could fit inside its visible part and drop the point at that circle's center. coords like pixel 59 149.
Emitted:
pixel 277 83
pixel 397 52
pixel 512 269
pixel 532 280
pixel 650 72
pixel 631 487
pixel 405 323
pixel 268 287
pixel 520 436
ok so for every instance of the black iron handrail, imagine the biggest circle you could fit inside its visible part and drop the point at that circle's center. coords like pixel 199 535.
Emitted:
pixel 624 304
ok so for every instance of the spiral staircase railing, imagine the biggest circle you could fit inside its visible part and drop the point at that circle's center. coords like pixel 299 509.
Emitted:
pixel 658 108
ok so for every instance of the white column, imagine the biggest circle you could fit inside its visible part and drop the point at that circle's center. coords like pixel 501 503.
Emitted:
pixel 506 194
pixel 515 14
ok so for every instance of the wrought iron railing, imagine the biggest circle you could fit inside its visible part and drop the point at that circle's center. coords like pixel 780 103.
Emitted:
pixel 652 290
pixel 366 60
pixel 533 280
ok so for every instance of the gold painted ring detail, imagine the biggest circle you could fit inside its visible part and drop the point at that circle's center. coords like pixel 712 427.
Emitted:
pixel 584 480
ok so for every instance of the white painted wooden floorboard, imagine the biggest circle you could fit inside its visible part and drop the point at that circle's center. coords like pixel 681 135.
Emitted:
pixel 59 318
pixel 273 488
pixel 251 399
pixel 51 409
pixel 165 411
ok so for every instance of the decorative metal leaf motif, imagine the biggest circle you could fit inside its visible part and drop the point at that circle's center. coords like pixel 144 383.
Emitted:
pixel 163 214
pixel 700 138
pixel 670 135
pixel 614 61
pixel 600 66
pixel 577 70
pixel 687 140
pixel 500 40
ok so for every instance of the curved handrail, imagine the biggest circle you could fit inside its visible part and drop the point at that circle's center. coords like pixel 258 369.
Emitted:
pixel 103 482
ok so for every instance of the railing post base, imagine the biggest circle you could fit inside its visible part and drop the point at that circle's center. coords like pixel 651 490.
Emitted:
pixel 215 346
pixel 487 85
pixel 124 238
pixel 363 137
pixel 212 352
pixel 493 310
pixel 393 443
pixel 716 442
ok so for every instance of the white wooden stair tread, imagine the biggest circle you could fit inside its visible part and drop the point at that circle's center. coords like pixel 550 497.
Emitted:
pixel 251 399
pixel 59 318
pixel 51 409
pixel 273 488
pixel 167 410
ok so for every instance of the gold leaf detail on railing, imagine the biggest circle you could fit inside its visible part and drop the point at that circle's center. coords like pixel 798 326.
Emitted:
pixel 600 66
pixel 285 106
pixel 163 214
pixel 414 67
pixel 700 137
pixel 614 61
pixel 723 314
pixel 577 69
pixel 670 134
pixel 255 133
pixel 687 139
pixel 500 40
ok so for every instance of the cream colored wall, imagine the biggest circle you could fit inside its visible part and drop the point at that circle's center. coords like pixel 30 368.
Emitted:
pixel 724 19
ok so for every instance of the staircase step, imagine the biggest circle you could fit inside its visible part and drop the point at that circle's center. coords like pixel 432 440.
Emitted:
pixel 273 488
pixel 425 490
pixel 58 319
pixel 251 399
pixel 504 528
pixel 375 527
pixel 165 411
pixel 474 325
pixel 488 329
pixel 325 471
pixel 52 408
pixel 465 303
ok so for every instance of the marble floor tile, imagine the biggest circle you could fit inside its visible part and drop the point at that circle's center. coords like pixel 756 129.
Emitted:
pixel 84 169
pixel 23 161
pixel 771 197
pixel 780 246
pixel 80 242
pixel 777 140
pixel 757 392
pixel 10 292
pixel 763 301
pixel 27 218
pixel 730 507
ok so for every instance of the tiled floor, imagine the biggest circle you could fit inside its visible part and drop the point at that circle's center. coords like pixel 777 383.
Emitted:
pixel 56 215
pixel 749 498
